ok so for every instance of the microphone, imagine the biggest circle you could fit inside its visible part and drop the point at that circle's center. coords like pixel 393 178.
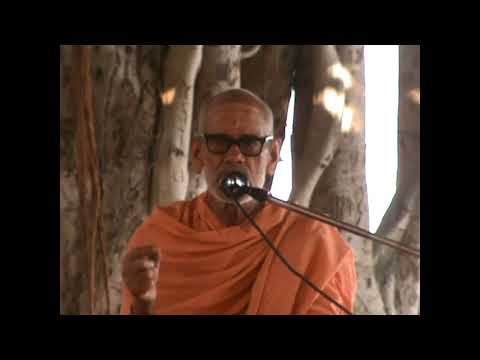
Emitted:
pixel 236 184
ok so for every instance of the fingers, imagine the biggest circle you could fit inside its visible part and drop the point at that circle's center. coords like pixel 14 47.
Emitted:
pixel 142 288
pixel 140 272
pixel 140 265
pixel 141 282
pixel 144 254
pixel 149 295
pixel 150 252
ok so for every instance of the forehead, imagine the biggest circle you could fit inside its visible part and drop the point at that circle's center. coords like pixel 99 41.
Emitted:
pixel 236 119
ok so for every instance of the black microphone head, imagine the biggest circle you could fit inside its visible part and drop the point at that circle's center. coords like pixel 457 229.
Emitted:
pixel 234 184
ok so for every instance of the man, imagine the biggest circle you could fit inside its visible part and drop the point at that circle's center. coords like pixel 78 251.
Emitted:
pixel 204 257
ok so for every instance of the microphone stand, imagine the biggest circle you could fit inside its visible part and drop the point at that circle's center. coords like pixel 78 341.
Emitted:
pixel 262 196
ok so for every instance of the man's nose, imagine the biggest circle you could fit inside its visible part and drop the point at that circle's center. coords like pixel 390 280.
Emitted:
pixel 234 154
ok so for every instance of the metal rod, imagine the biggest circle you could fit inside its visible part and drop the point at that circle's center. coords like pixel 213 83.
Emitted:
pixel 347 227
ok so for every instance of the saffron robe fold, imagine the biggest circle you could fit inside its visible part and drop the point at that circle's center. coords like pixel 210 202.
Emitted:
pixel 209 268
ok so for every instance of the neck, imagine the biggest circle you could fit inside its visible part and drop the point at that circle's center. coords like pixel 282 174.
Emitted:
pixel 230 214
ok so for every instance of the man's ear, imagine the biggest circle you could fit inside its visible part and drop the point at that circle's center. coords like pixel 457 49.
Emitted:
pixel 274 156
pixel 197 161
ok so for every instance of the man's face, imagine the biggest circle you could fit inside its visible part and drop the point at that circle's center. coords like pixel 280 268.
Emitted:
pixel 235 120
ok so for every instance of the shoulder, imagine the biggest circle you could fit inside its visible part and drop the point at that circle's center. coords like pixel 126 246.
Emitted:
pixel 181 211
pixel 315 232
pixel 320 242
pixel 174 210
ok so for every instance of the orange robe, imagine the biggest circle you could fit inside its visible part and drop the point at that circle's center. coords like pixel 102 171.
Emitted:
pixel 209 268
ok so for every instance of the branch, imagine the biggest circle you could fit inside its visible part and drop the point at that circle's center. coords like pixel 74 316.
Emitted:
pixel 170 176
pixel 247 54
pixel 326 99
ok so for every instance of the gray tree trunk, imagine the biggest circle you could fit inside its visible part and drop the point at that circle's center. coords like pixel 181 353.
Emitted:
pixel 170 176
pixel 269 75
pixel 125 83
pixel 398 275
pixel 341 191
pixel 320 98
pixel 219 71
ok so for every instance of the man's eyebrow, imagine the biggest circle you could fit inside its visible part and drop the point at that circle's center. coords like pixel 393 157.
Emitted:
pixel 241 136
pixel 252 136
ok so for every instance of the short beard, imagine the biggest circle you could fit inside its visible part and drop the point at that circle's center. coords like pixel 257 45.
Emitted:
pixel 219 195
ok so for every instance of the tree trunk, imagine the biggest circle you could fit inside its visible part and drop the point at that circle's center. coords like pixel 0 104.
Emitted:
pixel 341 191
pixel 320 98
pixel 398 275
pixel 125 108
pixel 73 255
pixel 170 176
pixel 219 71
pixel 269 75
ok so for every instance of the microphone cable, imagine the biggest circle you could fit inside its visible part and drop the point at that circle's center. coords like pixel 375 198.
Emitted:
pixel 287 264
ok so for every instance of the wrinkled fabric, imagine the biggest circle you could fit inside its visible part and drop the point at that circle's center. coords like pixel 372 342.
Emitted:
pixel 209 268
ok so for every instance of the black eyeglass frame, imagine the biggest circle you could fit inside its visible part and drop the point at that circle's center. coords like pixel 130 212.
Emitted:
pixel 231 141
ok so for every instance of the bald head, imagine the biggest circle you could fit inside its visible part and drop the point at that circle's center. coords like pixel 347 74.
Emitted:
pixel 236 96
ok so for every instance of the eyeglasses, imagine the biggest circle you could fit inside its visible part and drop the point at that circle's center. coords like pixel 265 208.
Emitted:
pixel 249 145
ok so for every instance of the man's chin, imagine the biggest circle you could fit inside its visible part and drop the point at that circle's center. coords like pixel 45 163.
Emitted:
pixel 221 197
pixel 243 199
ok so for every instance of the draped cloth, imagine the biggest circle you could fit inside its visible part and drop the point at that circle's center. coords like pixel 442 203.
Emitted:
pixel 209 268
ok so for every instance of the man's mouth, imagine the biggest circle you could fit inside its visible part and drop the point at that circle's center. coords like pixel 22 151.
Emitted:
pixel 227 171
pixel 231 170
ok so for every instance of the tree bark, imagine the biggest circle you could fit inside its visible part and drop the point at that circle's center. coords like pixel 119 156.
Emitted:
pixel 219 71
pixel 320 95
pixel 73 257
pixel 341 191
pixel 125 107
pixel 398 275
pixel 170 176
pixel 269 74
